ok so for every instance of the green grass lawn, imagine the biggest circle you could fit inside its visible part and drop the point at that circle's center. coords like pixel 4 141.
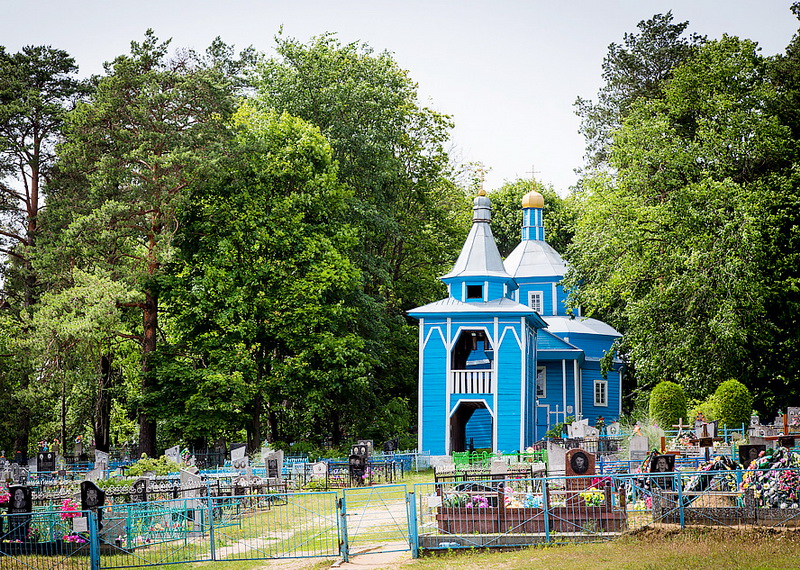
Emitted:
pixel 700 548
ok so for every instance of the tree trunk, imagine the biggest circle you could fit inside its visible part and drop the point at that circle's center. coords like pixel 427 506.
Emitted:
pixel 254 426
pixel 22 434
pixel 102 410
pixel 147 426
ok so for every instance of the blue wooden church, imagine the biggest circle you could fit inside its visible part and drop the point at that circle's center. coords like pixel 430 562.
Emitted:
pixel 500 361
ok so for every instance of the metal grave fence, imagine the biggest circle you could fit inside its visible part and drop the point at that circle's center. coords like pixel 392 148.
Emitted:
pixel 509 512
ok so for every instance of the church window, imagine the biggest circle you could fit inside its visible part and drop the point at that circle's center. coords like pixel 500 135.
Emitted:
pixel 600 393
pixel 535 301
pixel 541 382
pixel 474 291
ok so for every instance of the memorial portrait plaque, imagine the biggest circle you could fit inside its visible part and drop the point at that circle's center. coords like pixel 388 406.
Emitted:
pixel 662 464
pixel 360 449
pixel 273 471
pixel 579 463
pixel 747 453
pixel 786 441
pixel 20 500
pixel 92 496
pixel 20 505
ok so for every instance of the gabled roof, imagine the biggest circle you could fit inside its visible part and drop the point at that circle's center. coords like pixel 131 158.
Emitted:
pixel 548 341
pixel 479 257
pixel 504 305
pixel 564 326
pixel 535 258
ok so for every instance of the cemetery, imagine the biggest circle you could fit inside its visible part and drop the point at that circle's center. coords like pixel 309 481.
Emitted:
pixel 267 314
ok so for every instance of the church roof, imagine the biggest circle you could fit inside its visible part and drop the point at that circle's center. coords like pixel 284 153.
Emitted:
pixel 479 257
pixel 564 326
pixel 546 340
pixel 535 258
pixel 451 305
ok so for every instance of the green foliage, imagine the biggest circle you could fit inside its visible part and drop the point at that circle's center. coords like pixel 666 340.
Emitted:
pixel 558 430
pixel 707 407
pixel 679 249
pixel 637 69
pixel 160 466
pixel 667 404
pixel 732 403
pixel 507 215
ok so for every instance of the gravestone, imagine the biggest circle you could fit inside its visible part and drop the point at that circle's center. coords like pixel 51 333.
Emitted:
pixel 357 467
pixel 190 484
pixel 579 468
pixel 591 431
pixel 747 453
pixel 361 449
pixel 613 429
pixel 139 494
pixel 274 467
pixel 174 454
pixel 794 418
pixel 577 429
pixel 319 470
pixel 639 448
pixel 92 498
pixel 754 421
pixel 239 459
pixel 556 458
pixel 391 445
pixel 368 443
pixel 768 443
pixel 46 461
pixel 20 505
pixel 100 461
pixel 498 467
pixel 662 464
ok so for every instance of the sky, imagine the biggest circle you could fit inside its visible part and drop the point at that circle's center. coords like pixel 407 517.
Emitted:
pixel 508 72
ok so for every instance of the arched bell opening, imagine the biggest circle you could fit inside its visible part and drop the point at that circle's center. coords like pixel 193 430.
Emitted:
pixel 472 351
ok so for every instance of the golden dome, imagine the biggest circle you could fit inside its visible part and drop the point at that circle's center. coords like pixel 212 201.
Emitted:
pixel 533 200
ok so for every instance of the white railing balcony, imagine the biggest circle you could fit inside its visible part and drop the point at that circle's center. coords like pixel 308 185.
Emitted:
pixel 471 381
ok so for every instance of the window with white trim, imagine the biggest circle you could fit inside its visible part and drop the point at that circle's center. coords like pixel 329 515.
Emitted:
pixel 474 291
pixel 535 301
pixel 541 382
pixel 600 393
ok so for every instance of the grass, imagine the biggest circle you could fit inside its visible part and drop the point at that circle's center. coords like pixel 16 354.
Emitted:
pixel 698 548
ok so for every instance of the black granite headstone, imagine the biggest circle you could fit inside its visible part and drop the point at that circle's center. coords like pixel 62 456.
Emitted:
pixel 139 494
pixel 92 498
pixel 46 461
pixel 20 505
pixel 391 445
pixel 357 466
pixel 360 449
pixel 663 464
pixel 747 453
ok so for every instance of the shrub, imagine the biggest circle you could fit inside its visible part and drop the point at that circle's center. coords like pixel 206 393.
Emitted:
pixel 707 407
pixel 733 403
pixel 667 404
pixel 160 466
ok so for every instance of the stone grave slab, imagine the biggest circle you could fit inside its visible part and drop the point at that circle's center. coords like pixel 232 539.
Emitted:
pixel 639 448
pixel 174 454
pixel 556 458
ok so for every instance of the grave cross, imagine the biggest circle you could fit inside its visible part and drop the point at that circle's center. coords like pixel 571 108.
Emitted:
pixel 680 427
pixel 705 441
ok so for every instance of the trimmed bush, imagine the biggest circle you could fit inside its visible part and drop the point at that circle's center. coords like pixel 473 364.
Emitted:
pixel 733 404
pixel 667 404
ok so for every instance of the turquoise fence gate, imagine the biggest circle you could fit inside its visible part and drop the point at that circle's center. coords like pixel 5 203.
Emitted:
pixel 378 519
pixel 47 539
pixel 225 528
